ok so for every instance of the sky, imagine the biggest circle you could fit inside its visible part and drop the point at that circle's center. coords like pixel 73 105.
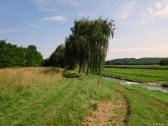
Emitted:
pixel 141 25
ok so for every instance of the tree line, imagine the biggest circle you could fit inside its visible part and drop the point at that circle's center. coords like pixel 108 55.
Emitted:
pixel 141 61
pixel 12 55
pixel 86 47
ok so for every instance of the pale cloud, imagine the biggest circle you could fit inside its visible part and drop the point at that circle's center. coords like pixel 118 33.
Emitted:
pixel 55 18
pixel 11 30
pixel 33 26
pixel 42 2
pixel 115 40
pixel 55 5
pixel 127 10
pixel 162 12
pixel 159 9
pixel 49 2
pixel 154 12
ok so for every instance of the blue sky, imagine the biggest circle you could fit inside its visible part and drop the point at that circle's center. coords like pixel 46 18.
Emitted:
pixel 142 25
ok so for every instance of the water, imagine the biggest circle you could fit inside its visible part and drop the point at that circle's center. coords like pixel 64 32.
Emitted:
pixel 145 85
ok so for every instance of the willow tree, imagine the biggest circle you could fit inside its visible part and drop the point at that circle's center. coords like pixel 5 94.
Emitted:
pixel 89 42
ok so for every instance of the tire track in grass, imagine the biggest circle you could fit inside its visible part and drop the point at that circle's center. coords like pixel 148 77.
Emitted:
pixel 144 110
pixel 66 94
pixel 109 113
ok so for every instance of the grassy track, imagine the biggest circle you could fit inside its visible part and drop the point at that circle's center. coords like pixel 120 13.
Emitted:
pixel 140 75
pixel 67 101
pixel 147 108
pixel 62 102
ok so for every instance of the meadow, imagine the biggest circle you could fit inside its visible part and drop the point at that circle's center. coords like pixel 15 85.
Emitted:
pixel 52 96
pixel 140 74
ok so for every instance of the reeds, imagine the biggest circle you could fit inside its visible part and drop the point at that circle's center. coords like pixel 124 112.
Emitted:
pixel 19 78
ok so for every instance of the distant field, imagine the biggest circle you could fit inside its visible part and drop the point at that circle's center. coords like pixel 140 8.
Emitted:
pixel 140 75
pixel 48 96
pixel 138 66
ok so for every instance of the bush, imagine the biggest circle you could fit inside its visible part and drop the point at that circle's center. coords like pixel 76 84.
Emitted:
pixel 164 62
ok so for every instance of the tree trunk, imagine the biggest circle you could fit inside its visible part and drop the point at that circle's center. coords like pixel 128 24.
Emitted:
pixel 79 68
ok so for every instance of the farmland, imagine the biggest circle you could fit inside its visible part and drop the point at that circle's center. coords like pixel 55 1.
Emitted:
pixel 52 96
pixel 139 74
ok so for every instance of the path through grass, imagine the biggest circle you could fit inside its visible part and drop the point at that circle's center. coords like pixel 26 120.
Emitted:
pixel 147 108
pixel 62 102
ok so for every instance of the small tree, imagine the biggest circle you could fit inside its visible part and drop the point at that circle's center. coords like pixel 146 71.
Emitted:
pixel 33 57
pixel 164 62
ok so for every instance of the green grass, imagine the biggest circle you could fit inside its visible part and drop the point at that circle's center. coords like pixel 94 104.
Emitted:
pixel 140 75
pixel 147 108
pixel 67 101
pixel 60 103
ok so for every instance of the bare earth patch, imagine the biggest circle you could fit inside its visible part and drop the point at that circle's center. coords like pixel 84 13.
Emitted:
pixel 108 114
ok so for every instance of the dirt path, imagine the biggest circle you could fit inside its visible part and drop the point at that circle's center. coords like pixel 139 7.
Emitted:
pixel 108 114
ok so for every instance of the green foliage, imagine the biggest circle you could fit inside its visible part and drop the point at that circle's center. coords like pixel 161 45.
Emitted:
pixel 57 58
pixel 11 55
pixel 33 57
pixel 133 61
pixel 87 45
pixel 164 62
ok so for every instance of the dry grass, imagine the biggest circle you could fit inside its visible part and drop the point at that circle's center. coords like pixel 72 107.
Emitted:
pixel 19 78
pixel 109 114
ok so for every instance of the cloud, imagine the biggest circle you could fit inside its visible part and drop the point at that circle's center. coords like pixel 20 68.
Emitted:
pixel 154 12
pixel 127 9
pixel 42 2
pixel 56 5
pixel 55 18
pixel 116 40
pixel 11 30
pixel 162 12
pixel 33 26
pixel 160 9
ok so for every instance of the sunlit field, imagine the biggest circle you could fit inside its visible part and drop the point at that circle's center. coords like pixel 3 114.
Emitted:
pixel 51 96
pixel 84 63
pixel 21 78
pixel 156 76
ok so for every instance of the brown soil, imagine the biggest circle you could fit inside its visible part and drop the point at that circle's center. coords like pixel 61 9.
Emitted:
pixel 108 114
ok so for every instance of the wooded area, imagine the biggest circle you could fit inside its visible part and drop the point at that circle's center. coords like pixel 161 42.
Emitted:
pixel 12 55
pixel 141 61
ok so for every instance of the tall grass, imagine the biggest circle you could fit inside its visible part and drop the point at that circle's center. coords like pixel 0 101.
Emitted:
pixel 50 99
pixel 20 78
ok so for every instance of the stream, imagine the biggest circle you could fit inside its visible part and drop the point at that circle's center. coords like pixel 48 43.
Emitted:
pixel 145 85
